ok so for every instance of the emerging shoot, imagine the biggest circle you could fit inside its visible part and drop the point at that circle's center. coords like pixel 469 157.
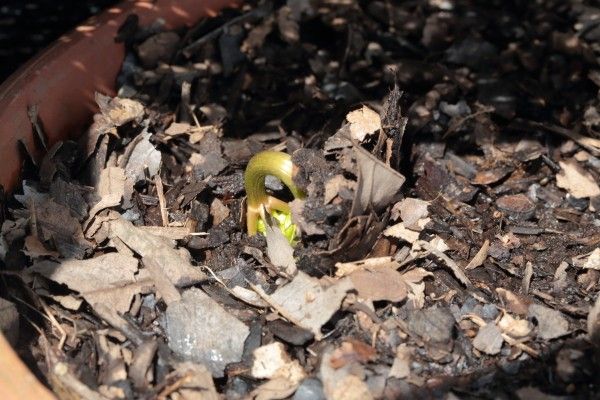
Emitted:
pixel 279 165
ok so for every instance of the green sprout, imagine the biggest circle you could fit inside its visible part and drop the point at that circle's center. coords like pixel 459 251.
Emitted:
pixel 279 165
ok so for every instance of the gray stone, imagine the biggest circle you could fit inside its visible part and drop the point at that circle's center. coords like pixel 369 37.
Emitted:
pixel 200 330
pixel 309 389
pixel 435 324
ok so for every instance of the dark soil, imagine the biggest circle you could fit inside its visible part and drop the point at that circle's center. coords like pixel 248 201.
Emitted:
pixel 447 236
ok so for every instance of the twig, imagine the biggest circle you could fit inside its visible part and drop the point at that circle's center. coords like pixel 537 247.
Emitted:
pixel 282 311
pixel 458 272
pixel 258 12
pixel 588 143
pixel 160 192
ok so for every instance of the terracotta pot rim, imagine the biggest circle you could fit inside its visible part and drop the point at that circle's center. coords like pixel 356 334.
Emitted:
pixel 61 81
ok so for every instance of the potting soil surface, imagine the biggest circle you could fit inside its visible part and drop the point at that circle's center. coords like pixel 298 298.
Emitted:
pixel 447 243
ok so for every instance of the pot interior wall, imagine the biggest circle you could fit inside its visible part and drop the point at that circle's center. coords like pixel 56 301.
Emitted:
pixel 61 83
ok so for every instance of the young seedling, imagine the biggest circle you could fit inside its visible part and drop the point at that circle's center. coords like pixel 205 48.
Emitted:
pixel 279 165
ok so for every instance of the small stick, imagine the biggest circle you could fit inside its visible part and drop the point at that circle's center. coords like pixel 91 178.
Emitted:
pixel 161 200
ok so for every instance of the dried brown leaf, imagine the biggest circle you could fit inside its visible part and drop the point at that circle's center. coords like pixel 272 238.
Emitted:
pixel 363 122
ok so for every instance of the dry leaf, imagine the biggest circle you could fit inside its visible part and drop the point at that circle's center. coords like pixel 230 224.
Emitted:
pixel 178 128
pixel 350 351
pixel 288 26
pixel 178 268
pixel 515 328
pixel 363 122
pixel 341 383
pixel 516 304
pixel 198 382
pixel 219 211
pixel 416 287
pixel 489 339
pixel 560 277
pixel 119 111
pixel 143 156
pixel 399 231
pixel 576 181
pixel 333 186
pixel 378 184
pixel 411 211
pixel 480 256
pixel 109 279
pixel 271 361
pixel 401 366
pixel 593 261
pixel 56 224
pixel 36 249
pixel 279 250
pixel 593 322
pixel 310 304
pixel 344 269
pixel 551 323
pixel 380 284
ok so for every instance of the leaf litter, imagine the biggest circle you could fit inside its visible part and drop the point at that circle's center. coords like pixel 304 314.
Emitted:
pixel 448 241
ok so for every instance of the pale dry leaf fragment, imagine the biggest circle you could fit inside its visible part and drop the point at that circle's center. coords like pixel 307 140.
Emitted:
pixel 248 296
pixel 532 393
pixel 119 111
pixel 275 389
pixel 272 361
pixel 342 383
pixel 219 211
pixel 411 210
pixel 310 304
pixel 489 339
pixel 399 231
pixel 593 261
pixel 579 183
pixel 363 122
pixel 143 155
pixel 113 180
pixel 288 26
pixel 108 279
pixel 279 250
pixel 551 323
pixel 379 284
pixel 344 269
pixel 55 223
pixel 36 249
pixel 333 186
pixel 177 267
pixel 480 257
pixel 401 366
pixel 416 287
pixel 593 322
pixel 164 287
pixel 439 244
pixel 515 303
pixel 527 275
pixel 378 184
pixel 514 327
pixel 257 35
pixel 560 277
pixel 198 383
pixel 107 201
pixel 178 128
pixel 200 330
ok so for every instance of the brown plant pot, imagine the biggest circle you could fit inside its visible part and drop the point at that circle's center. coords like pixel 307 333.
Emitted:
pixel 61 82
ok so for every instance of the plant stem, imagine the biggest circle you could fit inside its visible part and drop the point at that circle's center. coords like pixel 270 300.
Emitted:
pixel 277 164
